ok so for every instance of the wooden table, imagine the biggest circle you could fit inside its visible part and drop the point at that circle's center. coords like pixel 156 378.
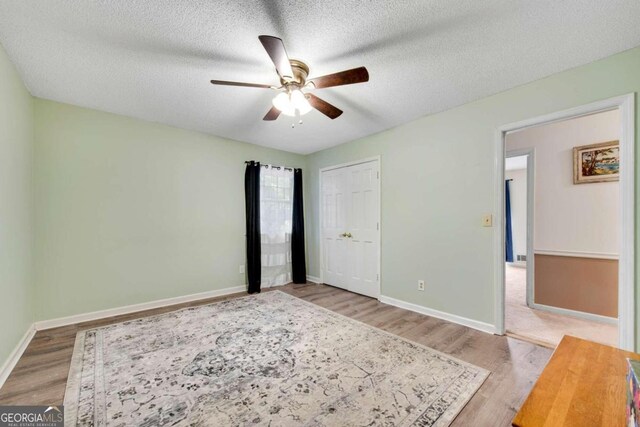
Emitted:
pixel 583 384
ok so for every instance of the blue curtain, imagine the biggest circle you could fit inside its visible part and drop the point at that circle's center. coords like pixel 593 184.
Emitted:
pixel 508 236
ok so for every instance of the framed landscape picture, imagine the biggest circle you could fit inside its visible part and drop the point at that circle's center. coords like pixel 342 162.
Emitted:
pixel 596 162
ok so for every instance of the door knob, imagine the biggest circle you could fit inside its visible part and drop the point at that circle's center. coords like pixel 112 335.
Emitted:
pixel 346 235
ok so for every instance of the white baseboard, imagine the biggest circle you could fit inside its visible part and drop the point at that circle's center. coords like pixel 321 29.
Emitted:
pixel 574 313
pixel 15 355
pixel 480 326
pixel 313 279
pixel 96 315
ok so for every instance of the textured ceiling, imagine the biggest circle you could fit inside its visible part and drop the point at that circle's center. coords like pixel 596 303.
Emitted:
pixel 153 59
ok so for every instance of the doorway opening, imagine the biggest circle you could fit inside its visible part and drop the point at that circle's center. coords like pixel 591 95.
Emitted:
pixel 544 318
pixel 566 226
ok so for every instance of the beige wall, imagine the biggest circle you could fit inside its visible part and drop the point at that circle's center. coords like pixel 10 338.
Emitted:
pixel 569 217
pixel 588 285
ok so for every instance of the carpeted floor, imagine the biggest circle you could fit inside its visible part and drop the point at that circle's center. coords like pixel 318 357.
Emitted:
pixel 268 359
pixel 543 327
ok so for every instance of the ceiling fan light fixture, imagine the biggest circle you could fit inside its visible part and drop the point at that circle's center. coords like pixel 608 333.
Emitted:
pixel 299 102
pixel 282 102
pixel 288 103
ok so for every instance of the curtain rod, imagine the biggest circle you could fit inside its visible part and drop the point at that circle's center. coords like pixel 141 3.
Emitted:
pixel 287 168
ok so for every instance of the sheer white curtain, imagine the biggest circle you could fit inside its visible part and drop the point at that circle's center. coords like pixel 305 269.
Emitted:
pixel 276 212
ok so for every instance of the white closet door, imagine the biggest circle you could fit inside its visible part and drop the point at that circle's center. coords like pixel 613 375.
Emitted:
pixel 334 218
pixel 362 224
pixel 350 229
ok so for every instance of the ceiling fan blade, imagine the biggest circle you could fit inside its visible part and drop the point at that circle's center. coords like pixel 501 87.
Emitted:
pixel 324 107
pixel 226 83
pixel 275 48
pixel 273 114
pixel 348 77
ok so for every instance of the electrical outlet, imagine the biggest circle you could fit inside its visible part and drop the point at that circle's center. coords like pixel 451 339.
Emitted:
pixel 487 220
pixel 241 269
pixel 421 285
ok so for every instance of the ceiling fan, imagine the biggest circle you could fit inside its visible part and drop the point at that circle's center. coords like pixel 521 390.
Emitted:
pixel 294 98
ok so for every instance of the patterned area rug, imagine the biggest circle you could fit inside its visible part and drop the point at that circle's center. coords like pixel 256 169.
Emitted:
pixel 270 359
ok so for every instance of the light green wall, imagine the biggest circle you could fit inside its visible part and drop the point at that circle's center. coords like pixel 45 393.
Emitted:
pixel 16 237
pixel 129 211
pixel 437 181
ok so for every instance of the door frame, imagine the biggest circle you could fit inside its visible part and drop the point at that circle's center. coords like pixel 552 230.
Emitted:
pixel 531 170
pixel 626 263
pixel 320 219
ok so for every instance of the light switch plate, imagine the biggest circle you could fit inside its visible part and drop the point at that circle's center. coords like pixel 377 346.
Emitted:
pixel 487 220
pixel 241 269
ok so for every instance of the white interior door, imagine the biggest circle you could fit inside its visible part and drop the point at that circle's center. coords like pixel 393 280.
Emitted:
pixel 350 228
pixel 334 218
pixel 362 225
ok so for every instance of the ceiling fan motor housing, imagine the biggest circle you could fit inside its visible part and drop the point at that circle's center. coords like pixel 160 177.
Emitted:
pixel 300 73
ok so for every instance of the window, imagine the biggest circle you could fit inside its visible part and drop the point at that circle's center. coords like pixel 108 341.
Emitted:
pixel 276 212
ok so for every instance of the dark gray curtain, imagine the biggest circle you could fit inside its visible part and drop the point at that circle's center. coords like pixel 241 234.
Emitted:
pixel 298 261
pixel 252 203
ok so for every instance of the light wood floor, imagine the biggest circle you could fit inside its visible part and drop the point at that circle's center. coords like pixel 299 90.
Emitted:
pixel 40 376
